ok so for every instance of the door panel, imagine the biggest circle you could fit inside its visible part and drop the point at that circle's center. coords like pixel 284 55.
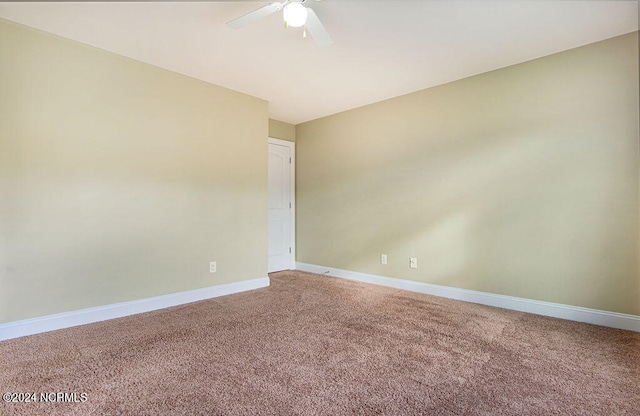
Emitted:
pixel 276 239
pixel 280 213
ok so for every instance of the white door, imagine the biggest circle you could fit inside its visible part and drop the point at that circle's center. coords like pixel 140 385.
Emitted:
pixel 281 219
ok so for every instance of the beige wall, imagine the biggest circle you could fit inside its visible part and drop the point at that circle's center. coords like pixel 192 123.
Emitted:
pixel 281 130
pixel 120 180
pixel 522 182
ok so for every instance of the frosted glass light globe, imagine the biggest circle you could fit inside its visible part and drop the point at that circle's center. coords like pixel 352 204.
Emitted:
pixel 295 14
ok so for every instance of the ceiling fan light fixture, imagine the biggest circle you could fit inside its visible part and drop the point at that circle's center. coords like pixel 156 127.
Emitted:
pixel 295 14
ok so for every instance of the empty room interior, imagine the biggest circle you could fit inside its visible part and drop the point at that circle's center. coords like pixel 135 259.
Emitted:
pixel 320 207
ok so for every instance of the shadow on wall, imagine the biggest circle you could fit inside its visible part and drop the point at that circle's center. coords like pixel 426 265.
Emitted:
pixel 528 215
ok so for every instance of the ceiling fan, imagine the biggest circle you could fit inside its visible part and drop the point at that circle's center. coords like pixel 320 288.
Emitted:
pixel 295 14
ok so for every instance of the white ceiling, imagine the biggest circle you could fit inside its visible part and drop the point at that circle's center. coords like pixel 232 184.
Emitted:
pixel 381 49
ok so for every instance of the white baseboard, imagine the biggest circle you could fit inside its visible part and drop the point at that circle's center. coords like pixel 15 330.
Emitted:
pixel 32 326
pixel 556 310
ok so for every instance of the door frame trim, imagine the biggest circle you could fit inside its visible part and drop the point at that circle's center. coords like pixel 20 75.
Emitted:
pixel 292 194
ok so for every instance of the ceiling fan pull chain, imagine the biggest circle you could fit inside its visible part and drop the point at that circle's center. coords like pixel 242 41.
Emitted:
pixel 304 33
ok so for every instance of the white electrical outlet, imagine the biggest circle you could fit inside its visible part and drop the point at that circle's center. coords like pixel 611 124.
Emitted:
pixel 212 267
pixel 413 262
pixel 383 259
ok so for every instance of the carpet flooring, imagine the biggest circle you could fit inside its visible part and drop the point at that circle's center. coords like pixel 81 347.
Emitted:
pixel 316 345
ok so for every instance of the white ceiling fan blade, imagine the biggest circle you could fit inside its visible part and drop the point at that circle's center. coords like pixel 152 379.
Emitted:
pixel 255 15
pixel 316 30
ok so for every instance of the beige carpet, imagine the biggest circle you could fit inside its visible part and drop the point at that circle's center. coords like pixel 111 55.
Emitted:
pixel 311 344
